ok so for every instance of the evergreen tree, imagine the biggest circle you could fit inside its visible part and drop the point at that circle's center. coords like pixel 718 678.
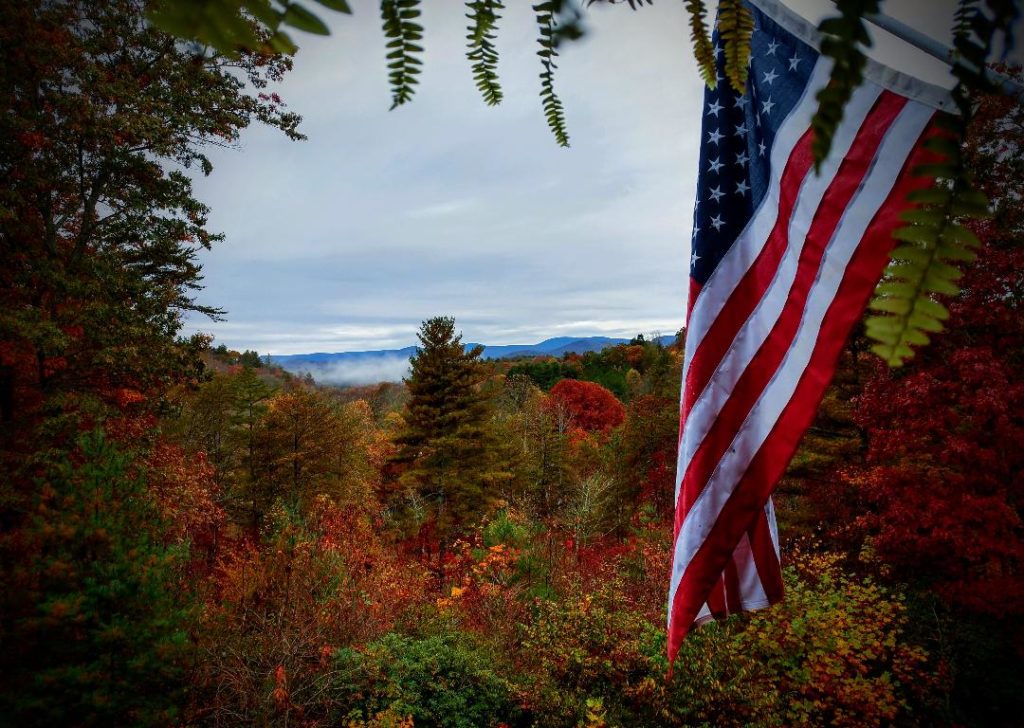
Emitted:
pixel 93 618
pixel 447 443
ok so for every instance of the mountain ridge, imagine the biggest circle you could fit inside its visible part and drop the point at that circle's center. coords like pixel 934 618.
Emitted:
pixel 378 365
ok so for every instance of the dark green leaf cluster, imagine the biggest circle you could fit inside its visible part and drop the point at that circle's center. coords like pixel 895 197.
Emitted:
pixel 399 18
pixel 231 26
pixel 546 13
pixel 483 16
pixel 844 36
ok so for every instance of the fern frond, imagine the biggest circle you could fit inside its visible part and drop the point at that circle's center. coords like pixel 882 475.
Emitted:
pixel 399 24
pixel 553 110
pixel 934 245
pixel 844 35
pixel 702 48
pixel 483 16
pixel 924 266
pixel 735 26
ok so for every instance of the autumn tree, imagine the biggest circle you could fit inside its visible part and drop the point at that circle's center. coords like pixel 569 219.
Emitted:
pixel 101 118
pixel 99 229
pixel 591 407
pixel 309 445
pixel 446 443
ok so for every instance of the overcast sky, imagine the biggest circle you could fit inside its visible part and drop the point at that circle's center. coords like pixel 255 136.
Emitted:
pixel 446 206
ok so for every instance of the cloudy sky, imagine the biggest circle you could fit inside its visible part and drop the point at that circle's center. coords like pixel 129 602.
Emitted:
pixel 446 206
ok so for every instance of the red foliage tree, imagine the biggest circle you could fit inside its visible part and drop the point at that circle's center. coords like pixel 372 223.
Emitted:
pixel 944 474
pixel 592 407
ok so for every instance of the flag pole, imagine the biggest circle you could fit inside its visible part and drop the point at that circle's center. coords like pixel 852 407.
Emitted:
pixel 944 53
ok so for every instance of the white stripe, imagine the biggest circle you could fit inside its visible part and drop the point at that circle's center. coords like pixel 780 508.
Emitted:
pixel 873 192
pixel 731 269
pixel 762 319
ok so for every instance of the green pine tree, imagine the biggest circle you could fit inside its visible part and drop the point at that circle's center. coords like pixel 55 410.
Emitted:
pixel 447 443
pixel 94 617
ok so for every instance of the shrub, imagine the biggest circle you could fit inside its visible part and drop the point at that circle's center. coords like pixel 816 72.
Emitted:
pixel 440 680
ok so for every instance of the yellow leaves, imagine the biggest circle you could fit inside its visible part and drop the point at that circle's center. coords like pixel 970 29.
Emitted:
pixel 702 49
pixel 735 26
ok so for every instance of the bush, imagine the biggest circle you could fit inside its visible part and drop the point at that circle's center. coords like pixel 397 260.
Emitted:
pixel 440 680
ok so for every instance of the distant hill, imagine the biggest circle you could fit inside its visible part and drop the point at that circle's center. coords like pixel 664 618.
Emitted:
pixel 390 365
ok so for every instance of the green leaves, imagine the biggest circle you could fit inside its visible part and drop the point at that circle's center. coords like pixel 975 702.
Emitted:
pixel 403 66
pixel 843 37
pixel 231 26
pixel 547 40
pixel 483 16
pixel 924 263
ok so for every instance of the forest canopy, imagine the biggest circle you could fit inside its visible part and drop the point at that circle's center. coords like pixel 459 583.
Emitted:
pixel 191 536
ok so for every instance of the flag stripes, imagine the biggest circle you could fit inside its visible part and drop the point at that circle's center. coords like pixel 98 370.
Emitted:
pixel 766 325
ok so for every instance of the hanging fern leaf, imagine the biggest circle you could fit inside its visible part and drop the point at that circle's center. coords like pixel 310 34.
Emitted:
pixel 403 65
pixel 702 48
pixel 844 36
pixel 547 40
pixel 483 16
pixel 735 26
pixel 926 263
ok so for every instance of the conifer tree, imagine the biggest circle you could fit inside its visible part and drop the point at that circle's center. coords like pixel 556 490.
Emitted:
pixel 446 442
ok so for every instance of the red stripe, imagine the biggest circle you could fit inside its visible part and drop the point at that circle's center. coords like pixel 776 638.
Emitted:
pixel 755 282
pixel 716 600
pixel 732 586
pixel 772 352
pixel 766 468
pixel 766 559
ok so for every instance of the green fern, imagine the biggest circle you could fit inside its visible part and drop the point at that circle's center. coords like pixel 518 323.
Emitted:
pixel 702 49
pixel 482 53
pixel 735 27
pixel 933 246
pixel 844 36
pixel 403 66
pixel 924 265
pixel 548 40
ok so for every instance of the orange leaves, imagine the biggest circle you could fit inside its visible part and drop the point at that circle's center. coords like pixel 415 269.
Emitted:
pixel 589 407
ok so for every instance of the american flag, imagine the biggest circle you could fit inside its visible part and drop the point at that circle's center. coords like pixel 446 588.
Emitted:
pixel 783 262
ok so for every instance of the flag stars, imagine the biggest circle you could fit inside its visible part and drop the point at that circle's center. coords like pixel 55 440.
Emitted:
pixel 773 46
pixel 742 188
pixel 714 137
pixel 742 158
pixel 694 258
pixel 717 194
pixel 794 62
pixel 740 130
pixel 741 102
pixel 761 148
pixel 714 165
pixel 717 222
pixel 714 108
pixel 769 77
pixel 767 106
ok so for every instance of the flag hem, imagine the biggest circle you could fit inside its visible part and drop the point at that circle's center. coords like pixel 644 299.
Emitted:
pixel 898 82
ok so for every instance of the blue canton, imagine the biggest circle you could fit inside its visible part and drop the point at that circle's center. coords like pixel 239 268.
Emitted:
pixel 737 137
